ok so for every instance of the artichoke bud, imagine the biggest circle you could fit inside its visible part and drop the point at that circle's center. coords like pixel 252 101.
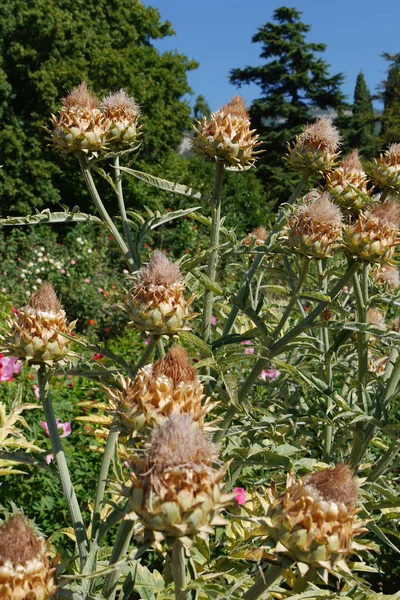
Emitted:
pixel 226 136
pixel 80 125
pixel 374 236
pixel 160 390
pixel 314 229
pixel 121 114
pixel 316 148
pixel 313 521
pixel 37 330
pixel 25 570
pixel 385 171
pixel 176 490
pixel 256 238
pixel 157 305
pixel 347 184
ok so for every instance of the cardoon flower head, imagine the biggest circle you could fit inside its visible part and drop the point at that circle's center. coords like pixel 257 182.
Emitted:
pixel 176 488
pixel 316 148
pixel 389 275
pixel 385 171
pixel 122 114
pixel 257 237
pixel 347 181
pixel 226 136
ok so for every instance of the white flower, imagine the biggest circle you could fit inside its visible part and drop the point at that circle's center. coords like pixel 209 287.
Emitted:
pixel 22 275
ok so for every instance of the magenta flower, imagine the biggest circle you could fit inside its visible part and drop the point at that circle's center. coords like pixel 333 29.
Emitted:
pixel 14 311
pixel 240 495
pixel 9 367
pixel 65 428
pixel 73 262
pixel 87 280
pixel 248 350
pixel 36 391
pixel 269 374
pixel 48 458
pixel 147 340
pixel 213 320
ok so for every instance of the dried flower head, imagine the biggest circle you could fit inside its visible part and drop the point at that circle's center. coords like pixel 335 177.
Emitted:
pixel 80 125
pixel 25 573
pixel 376 317
pixel 36 332
pixel 315 228
pixel 389 275
pixel 122 114
pixel 167 387
pixel 374 236
pixel 257 237
pixel 313 521
pixel 156 300
pixel 348 183
pixel 175 488
pixel 316 148
pixel 226 136
pixel 385 171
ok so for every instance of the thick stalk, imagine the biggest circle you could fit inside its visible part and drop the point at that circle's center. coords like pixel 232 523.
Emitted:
pixel 147 353
pixel 243 293
pixel 121 205
pixel 178 567
pixel 263 583
pixel 213 257
pixel 327 357
pixel 121 545
pixel 293 299
pixel 66 483
pixel 102 481
pixel 361 298
pixel 105 217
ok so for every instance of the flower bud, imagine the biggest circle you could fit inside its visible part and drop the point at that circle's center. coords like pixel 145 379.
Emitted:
pixel 256 238
pixel 385 171
pixel 226 136
pixel 25 571
pixel 347 184
pixel 316 148
pixel 121 114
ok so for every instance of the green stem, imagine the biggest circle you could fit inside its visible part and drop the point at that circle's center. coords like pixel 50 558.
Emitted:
pixel 325 346
pixel 122 210
pixel 102 481
pixel 160 348
pixel 103 212
pixel 66 483
pixel 361 298
pixel 147 353
pixel 384 462
pixel 293 299
pixel 121 545
pixel 243 293
pixel 263 583
pixel 213 257
pixel 178 567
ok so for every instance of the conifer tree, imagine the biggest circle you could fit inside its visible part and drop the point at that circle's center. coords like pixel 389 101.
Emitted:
pixel 362 133
pixel 390 95
pixel 295 87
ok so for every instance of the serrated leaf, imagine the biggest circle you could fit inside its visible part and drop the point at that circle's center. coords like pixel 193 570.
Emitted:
pixel 163 184
pixel 51 217
pixel 196 341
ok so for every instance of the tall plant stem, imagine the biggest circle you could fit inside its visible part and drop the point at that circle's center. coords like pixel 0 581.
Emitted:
pixel 324 340
pixel 263 583
pixel 66 483
pixel 279 346
pixel 147 352
pixel 121 545
pixel 362 301
pixel 178 567
pixel 213 257
pixel 121 205
pixel 293 299
pixel 102 481
pixel 105 217
pixel 243 293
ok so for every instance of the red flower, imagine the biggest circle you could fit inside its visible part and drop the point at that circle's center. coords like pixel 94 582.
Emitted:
pixel 92 322
pixel 98 356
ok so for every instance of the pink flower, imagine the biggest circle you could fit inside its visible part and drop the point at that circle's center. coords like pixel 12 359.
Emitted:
pixel 8 367
pixel 240 495
pixel 269 374
pixel 73 262
pixel 213 320
pixel 87 280
pixel 62 271
pixel 14 311
pixel 64 427
pixel 248 350
pixel 36 391
pixel 147 340
pixel 100 290
pixel 48 458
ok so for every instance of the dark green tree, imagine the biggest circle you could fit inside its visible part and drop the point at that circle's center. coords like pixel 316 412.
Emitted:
pixel 362 134
pixel 295 87
pixel 201 108
pixel 390 94
pixel 47 47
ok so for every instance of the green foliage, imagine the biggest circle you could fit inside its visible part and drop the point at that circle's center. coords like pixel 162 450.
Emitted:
pixel 295 87
pixel 46 48
pixel 363 120
pixel 390 132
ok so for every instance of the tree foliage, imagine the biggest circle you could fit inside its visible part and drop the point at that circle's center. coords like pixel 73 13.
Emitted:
pixel 390 95
pixel 295 86
pixel 362 133
pixel 46 48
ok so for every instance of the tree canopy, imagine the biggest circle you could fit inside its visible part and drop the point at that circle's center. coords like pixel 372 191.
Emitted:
pixel 295 86
pixel 390 95
pixel 362 133
pixel 49 46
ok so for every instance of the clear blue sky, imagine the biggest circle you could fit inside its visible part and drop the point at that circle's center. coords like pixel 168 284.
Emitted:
pixel 217 33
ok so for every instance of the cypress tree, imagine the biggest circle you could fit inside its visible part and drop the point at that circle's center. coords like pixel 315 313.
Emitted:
pixel 362 133
pixel 390 131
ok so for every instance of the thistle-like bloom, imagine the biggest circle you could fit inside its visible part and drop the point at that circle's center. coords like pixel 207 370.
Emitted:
pixel 160 390
pixel 376 317
pixel 347 184
pixel 226 136
pixel 387 275
pixel 121 113
pixel 313 521
pixel 80 125
pixel 374 236
pixel 37 330
pixel 157 304
pixel 315 228
pixel 25 571
pixel 256 238
pixel 176 488
pixel 316 148
pixel 385 171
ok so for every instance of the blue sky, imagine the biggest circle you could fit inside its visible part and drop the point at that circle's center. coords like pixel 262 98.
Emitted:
pixel 217 33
